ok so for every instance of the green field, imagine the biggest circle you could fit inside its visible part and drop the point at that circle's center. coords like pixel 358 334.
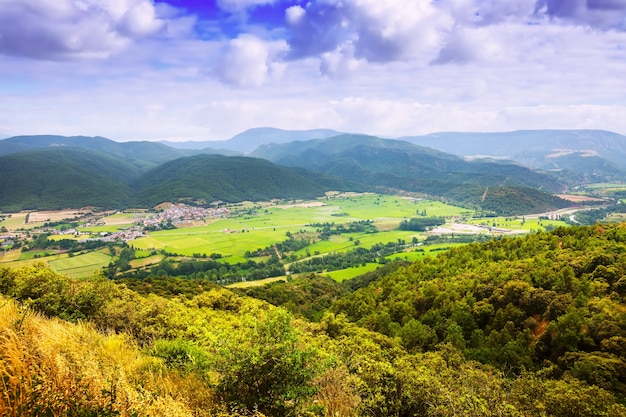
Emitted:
pixel 80 266
pixel 349 273
pixel 255 226
pixel 13 221
pixel 528 224
pixel 269 224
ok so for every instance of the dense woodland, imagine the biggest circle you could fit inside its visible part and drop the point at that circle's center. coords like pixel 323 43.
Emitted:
pixel 524 326
pixel 39 173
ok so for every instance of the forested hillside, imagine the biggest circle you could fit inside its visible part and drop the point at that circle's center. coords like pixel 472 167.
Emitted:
pixel 502 188
pixel 529 326
pixel 64 177
pixel 231 179
pixel 142 155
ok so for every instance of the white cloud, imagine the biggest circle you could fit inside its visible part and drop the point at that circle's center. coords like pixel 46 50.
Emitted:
pixel 61 29
pixel 340 63
pixel 379 31
pixel 294 14
pixel 247 61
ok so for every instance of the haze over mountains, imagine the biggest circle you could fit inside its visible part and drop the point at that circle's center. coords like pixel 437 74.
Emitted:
pixel 508 173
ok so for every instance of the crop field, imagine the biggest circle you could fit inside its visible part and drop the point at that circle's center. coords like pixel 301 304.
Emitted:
pixel 80 266
pixel 349 273
pixel 257 283
pixel 13 221
pixel 525 224
pixel 146 261
pixel 260 228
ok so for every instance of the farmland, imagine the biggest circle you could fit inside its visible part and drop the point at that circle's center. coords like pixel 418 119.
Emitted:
pixel 251 231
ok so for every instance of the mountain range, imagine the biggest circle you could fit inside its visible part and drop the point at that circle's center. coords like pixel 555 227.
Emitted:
pixel 504 173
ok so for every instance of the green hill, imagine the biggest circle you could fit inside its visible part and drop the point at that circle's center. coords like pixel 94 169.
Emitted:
pixel 402 165
pixel 143 155
pixel 587 155
pixel 518 327
pixel 63 177
pixel 231 179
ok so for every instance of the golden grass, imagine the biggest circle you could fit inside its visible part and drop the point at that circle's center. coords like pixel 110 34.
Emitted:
pixel 51 367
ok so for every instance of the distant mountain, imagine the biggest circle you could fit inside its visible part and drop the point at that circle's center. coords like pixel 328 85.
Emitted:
pixel 143 155
pixel 207 147
pixel 231 179
pixel 64 177
pixel 402 165
pixel 596 155
pixel 251 139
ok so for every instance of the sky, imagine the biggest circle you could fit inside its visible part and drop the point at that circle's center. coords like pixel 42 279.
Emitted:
pixel 200 70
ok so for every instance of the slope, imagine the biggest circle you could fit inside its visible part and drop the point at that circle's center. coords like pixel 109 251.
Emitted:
pixel 216 177
pixel 63 177
pixel 540 148
pixel 143 155
pixel 251 139
pixel 402 165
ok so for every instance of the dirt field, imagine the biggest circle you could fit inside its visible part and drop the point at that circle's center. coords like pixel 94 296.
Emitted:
pixel 578 198
pixel 53 216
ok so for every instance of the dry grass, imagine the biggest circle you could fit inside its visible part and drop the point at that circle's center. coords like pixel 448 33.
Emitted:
pixel 52 368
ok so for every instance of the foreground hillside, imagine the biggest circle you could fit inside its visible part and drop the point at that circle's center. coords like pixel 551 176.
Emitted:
pixel 517 327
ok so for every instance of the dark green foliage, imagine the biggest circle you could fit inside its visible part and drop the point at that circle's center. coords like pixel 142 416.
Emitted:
pixel 401 165
pixel 167 287
pixel 263 367
pixel 211 270
pixel 141 155
pixel 516 303
pixel 421 224
pixel 63 177
pixel 307 296
pixel 231 179
pixel 258 358
pixel 54 295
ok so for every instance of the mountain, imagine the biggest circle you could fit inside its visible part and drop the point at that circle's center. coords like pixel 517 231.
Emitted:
pixel 251 139
pixel 143 155
pixel 231 179
pixel 207 147
pixel 63 177
pixel 402 165
pixel 592 155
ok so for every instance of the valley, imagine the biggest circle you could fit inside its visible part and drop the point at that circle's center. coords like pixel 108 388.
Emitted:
pixel 236 234
pixel 368 276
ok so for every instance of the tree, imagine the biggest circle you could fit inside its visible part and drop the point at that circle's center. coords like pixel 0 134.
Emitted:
pixel 263 365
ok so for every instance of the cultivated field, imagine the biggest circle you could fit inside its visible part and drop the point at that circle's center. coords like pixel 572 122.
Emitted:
pixel 269 224
pixel 254 226
pixel 80 266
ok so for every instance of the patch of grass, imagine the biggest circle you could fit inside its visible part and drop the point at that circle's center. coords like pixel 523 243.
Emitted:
pixel 25 256
pixel 13 221
pixel 349 273
pixel 256 283
pixel 81 266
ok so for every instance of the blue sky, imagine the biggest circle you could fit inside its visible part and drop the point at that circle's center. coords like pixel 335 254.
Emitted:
pixel 208 69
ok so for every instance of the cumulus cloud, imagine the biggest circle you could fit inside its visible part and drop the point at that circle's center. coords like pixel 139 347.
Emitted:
pixel 468 44
pixel 247 61
pixel 61 29
pixel 378 31
pixel 340 63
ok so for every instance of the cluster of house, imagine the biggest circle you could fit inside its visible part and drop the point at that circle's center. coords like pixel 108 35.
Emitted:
pixel 181 213
pixel 6 241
